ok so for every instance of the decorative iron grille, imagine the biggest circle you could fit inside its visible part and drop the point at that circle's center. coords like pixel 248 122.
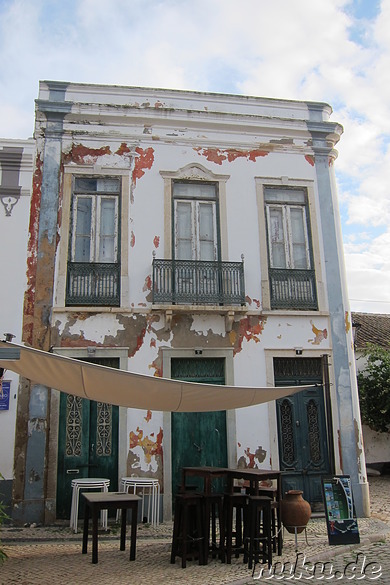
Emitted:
pixel 210 370
pixel 93 284
pixel 104 428
pixel 304 369
pixel 293 289
pixel 196 282
pixel 73 426
pixel 286 420
pixel 313 431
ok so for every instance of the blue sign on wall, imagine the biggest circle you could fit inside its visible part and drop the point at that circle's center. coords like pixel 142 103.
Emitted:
pixel 4 394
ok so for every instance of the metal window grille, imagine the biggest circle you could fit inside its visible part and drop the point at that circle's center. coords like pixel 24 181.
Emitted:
pixel 93 284
pixel 293 289
pixel 198 282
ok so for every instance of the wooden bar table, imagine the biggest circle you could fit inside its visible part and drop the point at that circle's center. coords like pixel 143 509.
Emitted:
pixel 95 502
pixel 255 478
pixel 205 472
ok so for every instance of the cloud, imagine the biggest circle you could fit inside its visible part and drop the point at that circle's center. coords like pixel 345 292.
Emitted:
pixel 368 273
pixel 336 51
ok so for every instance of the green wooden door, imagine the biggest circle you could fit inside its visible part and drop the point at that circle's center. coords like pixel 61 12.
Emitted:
pixel 198 438
pixel 87 442
pixel 303 440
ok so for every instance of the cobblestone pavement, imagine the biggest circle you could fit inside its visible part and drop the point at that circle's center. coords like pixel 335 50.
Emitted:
pixel 51 555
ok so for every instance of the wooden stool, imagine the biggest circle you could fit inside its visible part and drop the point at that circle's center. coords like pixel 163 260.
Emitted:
pixel 188 537
pixel 277 533
pixel 213 509
pixel 258 531
pixel 234 502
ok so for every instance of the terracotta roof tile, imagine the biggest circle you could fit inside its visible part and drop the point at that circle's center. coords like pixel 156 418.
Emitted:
pixel 374 328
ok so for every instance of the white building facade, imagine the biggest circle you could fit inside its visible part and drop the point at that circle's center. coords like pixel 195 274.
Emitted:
pixel 16 168
pixel 193 236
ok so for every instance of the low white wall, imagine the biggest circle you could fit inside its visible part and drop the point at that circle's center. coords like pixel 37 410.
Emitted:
pixel 376 446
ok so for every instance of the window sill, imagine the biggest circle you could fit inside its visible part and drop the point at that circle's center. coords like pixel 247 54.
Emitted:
pixel 89 309
pixel 298 312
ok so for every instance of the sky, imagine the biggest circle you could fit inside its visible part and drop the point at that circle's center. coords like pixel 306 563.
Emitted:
pixel 334 51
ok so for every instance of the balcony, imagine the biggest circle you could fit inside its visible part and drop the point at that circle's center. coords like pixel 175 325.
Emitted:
pixel 93 284
pixel 192 282
pixel 293 289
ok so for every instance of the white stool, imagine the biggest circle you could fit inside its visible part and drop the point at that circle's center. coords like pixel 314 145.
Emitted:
pixel 152 486
pixel 86 483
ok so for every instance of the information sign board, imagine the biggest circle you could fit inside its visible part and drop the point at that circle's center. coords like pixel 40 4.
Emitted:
pixel 340 510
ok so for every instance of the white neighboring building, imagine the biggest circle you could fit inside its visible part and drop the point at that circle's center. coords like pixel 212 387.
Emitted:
pixel 372 328
pixel 16 168
pixel 193 236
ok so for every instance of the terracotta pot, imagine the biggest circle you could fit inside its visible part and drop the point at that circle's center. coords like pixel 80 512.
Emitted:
pixel 296 511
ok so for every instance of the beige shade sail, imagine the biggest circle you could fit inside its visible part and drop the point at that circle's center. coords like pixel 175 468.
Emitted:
pixel 131 390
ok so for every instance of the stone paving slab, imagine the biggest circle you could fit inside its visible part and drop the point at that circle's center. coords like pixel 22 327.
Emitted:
pixel 52 563
pixel 41 561
pixel 51 555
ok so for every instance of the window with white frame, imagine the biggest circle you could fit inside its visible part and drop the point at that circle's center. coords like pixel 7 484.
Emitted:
pixel 95 220
pixel 292 279
pixel 194 272
pixel 288 239
pixel 93 267
pixel 195 221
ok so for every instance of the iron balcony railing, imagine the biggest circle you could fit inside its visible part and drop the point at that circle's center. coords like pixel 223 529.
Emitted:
pixel 93 284
pixel 193 282
pixel 293 289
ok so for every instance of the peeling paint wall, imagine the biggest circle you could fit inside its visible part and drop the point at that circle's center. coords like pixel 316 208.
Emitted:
pixel 218 156
pixel 145 336
pixel 146 137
